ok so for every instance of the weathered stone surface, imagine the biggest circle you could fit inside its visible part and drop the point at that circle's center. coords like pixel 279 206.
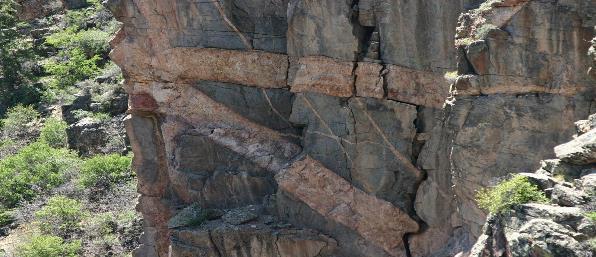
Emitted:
pixel 215 176
pixel 322 28
pixel 369 80
pixel 255 240
pixel 430 29
pixel 227 121
pixel 365 141
pixel 323 75
pixel 566 196
pixel 229 24
pixel 336 199
pixel 416 87
pixel 581 150
pixel 520 235
pixel 33 9
pixel 485 138
pixel 584 126
pixel 241 215
pixel 267 107
pixel 252 68
pixel 148 154
pixel 74 4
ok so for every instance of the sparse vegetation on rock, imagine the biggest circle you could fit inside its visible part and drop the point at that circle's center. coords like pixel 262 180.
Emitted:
pixel 515 191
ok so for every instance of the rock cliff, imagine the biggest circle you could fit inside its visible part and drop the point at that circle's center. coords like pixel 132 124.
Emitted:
pixel 342 128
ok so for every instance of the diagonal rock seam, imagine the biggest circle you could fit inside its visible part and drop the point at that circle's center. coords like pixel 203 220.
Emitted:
pixel 378 221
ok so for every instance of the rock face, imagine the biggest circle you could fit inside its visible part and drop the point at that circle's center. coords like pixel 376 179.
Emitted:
pixel 328 128
pixel 561 228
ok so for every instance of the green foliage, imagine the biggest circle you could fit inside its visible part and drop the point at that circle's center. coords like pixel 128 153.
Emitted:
pixel 48 246
pixel 54 133
pixel 60 217
pixel 98 116
pixel 101 225
pixel 18 118
pixel 591 216
pixel 106 170
pixel 6 218
pixel 515 191
pixel 72 66
pixel 92 42
pixel 34 169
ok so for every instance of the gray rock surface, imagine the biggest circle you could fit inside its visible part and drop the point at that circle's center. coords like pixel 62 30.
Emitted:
pixel 237 95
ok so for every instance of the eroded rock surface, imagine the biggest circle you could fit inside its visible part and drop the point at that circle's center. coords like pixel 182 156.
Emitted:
pixel 330 128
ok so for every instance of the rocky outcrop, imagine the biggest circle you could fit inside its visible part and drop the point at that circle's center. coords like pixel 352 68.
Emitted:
pixel 562 228
pixel 28 10
pixel 334 117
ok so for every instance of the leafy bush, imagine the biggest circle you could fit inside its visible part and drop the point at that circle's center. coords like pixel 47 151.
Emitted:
pixel 591 216
pixel 92 42
pixel 54 133
pixel 34 169
pixel 18 118
pixel 60 217
pixel 98 116
pixel 72 67
pixel 101 224
pixel 515 191
pixel 6 218
pixel 48 246
pixel 105 170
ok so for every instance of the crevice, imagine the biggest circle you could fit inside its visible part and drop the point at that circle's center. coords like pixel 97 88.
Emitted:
pixel 217 251
pixel 231 25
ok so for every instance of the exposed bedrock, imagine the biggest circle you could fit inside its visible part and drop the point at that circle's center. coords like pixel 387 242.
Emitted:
pixel 341 128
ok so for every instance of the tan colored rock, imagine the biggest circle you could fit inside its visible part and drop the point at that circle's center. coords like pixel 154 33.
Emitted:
pixel 369 80
pixel 323 75
pixel 416 87
pixel 251 68
pixel 335 198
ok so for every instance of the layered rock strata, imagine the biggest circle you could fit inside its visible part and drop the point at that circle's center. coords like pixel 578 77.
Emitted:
pixel 335 119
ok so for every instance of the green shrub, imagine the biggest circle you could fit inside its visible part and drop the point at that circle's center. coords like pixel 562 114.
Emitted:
pixel 91 42
pixel 60 217
pixel 101 224
pixel 18 118
pixel 106 170
pixel 591 216
pixel 97 116
pixel 48 246
pixel 34 169
pixel 6 218
pixel 54 133
pixel 73 66
pixel 515 191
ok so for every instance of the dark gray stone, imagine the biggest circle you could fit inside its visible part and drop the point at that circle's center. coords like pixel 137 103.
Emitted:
pixel 326 28
pixel 262 23
pixel 267 107
pixel 358 138
pixel 566 196
pixel 242 215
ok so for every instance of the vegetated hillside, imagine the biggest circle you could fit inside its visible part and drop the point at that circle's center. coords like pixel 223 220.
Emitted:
pixel 66 184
